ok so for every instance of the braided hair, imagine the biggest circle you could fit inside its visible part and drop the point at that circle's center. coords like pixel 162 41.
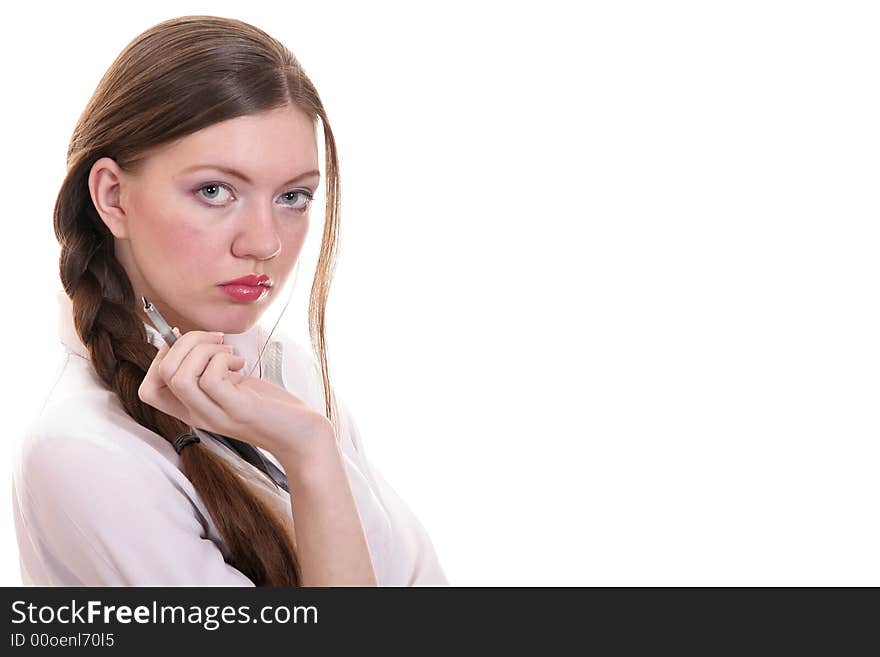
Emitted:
pixel 163 86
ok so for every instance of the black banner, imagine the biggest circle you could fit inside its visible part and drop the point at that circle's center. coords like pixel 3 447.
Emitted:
pixel 539 620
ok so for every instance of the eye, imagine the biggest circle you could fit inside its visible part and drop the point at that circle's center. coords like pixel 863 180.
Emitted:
pixel 215 187
pixel 305 199
pixel 213 192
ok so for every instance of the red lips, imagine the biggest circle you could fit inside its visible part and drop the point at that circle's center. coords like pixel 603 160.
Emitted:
pixel 251 279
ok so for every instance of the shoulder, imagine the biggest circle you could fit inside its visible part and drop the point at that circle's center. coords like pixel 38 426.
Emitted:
pixel 76 488
pixel 81 408
pixel 82 434
pixel 96 509
pixel 68 451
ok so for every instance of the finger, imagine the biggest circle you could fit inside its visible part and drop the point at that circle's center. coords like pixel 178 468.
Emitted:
pixel 154 391
pixel 219 382
pixel 196 360
pixel 152 381
pixel 160 355
pixel 165 399
pixel 216 375
pixel 156 376
pixel 178 352
pixel 185 382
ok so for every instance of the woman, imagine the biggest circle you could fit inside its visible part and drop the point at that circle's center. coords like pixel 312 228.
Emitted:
pixel 193 165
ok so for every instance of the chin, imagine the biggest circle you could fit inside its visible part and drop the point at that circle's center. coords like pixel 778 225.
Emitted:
pixel 237 322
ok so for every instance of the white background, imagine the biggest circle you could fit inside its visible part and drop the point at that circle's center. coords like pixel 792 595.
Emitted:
pixel 606 302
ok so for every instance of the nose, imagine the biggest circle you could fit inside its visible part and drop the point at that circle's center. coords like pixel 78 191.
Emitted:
pixel 258 235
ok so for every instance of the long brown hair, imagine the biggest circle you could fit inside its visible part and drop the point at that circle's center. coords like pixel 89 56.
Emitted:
pixel 172 80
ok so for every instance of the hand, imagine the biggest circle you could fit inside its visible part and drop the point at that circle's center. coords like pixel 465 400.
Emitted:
pixel 195 380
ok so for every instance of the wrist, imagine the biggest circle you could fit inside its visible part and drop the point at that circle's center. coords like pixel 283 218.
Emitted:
pixel 314 467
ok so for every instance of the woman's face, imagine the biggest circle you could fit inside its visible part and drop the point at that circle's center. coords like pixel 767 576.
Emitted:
pixel 181 230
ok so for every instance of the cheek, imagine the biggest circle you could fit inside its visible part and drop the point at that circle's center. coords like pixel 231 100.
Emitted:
pixel 180 244
pixel 293 238
pixel 192 247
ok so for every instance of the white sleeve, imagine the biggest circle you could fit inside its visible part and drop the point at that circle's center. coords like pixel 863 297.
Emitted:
pixel 413 561
pixel 106 518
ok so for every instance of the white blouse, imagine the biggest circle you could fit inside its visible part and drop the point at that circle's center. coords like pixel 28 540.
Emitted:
pixel 99 500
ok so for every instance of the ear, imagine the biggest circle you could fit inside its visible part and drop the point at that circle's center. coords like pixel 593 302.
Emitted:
pixel 105 186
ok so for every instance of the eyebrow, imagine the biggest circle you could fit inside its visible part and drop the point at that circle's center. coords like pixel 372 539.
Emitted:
pixel 238 174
